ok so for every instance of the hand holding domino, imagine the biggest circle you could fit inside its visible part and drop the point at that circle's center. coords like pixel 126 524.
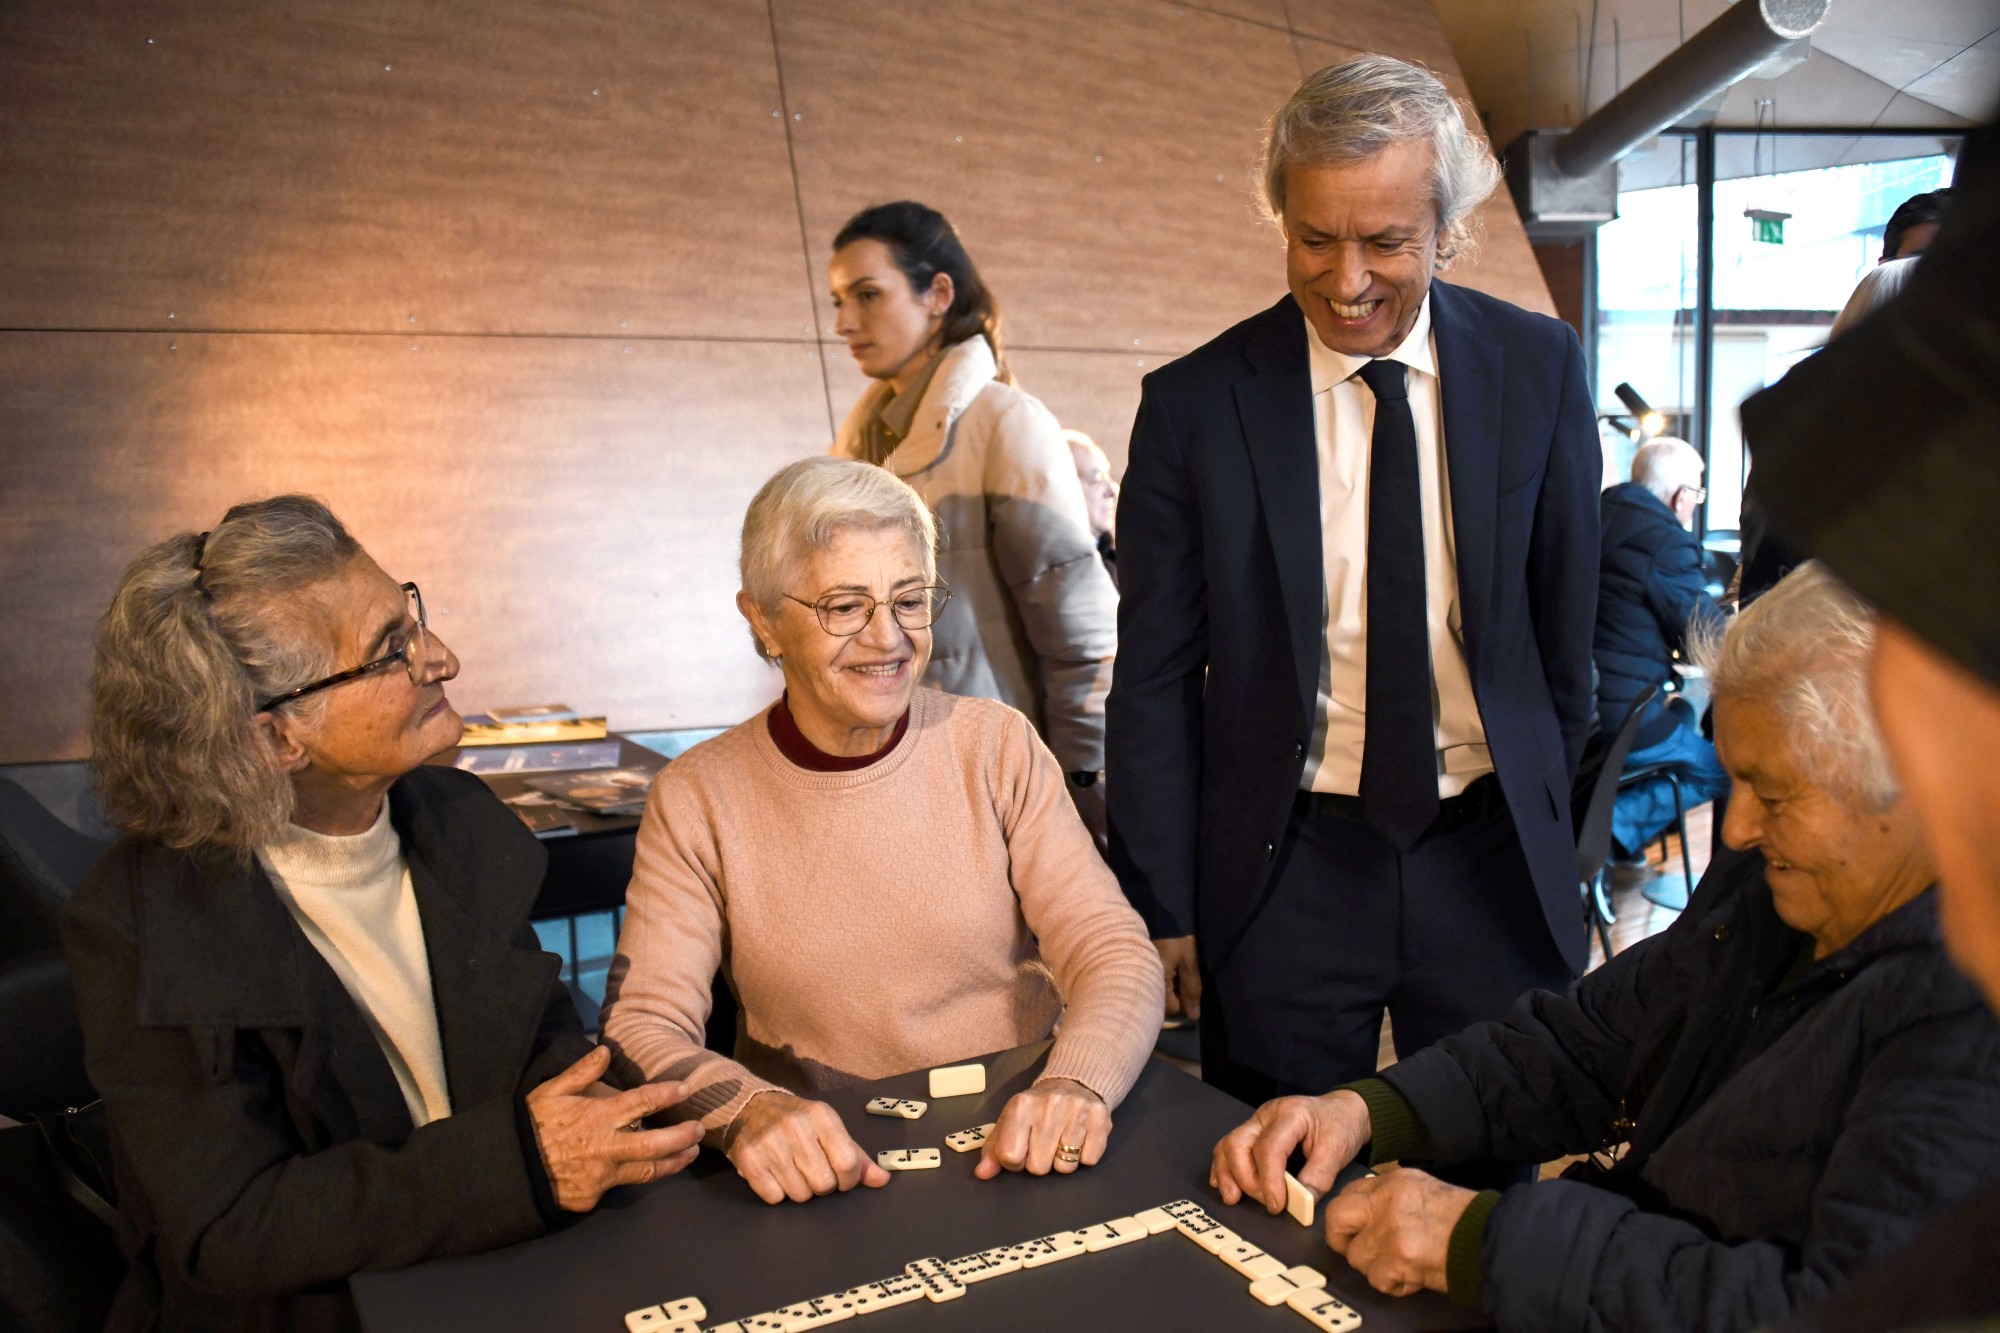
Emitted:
pixel 1250 1160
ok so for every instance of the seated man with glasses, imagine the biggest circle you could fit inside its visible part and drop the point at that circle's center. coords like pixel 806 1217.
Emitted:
pixel 325 1035
pixel 890 877
pixel 1650 591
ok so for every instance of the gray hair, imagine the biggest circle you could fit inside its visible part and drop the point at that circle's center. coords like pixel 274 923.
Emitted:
pixel 204 627
pixel 1665 464
pixel 1878 287
pixel 805 504
pixel 1353 110
pixel 1804 648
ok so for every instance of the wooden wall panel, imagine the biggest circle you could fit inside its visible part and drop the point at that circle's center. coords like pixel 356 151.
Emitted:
pixel 218 219
pixel 444 165
pixel 1094 154
pixel 570 506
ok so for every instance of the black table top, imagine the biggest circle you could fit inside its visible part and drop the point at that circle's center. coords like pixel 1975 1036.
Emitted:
pixel 703 1233
pixel 506 785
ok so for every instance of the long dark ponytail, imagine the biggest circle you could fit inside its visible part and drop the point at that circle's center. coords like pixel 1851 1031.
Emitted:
pixel 925 245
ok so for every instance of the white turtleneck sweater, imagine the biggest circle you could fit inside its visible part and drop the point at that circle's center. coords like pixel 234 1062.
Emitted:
pixel 353 898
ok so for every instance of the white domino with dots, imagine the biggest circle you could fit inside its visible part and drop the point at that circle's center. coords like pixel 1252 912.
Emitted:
pixel 1050 1249
pixel 986 1264
pixel 890 1291
pixel 1330 1314
pixel 898 1108
pixel 968 1140
pixel 1299 1201
pixel 1108 1235
pixel 1272 1283
pixel 1281 1287
pixel 668 1317
pixel 938 1283
pixel 958 1080
pixel 909 1159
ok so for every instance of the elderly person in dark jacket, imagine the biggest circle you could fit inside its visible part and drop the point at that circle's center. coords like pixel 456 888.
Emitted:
pixel 324 1035
pixel 1788 1082
pixel 1649 592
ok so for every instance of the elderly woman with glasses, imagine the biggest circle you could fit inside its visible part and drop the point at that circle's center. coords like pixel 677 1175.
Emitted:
pixel 324 1034
pixel 890 877
pixel 1789 1081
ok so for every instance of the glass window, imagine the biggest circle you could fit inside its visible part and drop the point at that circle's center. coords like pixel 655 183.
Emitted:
pixel 1646 295
pixel 1798 221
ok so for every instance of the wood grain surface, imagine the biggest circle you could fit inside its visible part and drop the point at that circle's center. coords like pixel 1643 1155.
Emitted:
pixel 534 293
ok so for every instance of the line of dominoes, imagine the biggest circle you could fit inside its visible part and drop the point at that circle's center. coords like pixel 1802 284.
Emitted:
pixel 1300 1289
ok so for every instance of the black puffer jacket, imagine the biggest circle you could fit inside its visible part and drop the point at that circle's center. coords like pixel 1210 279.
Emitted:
pixel 1789 1124
pixel 1649 587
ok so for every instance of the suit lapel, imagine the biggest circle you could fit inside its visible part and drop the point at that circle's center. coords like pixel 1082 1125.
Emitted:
pixel 1274 406
pixel 1470 384
pixel 489 991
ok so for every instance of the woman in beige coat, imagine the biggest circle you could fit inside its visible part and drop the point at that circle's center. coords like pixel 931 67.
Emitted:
pixel 1032 619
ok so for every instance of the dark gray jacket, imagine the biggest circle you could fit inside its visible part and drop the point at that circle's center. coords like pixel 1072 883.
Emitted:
pixel 263 1149
pixel 1786 1124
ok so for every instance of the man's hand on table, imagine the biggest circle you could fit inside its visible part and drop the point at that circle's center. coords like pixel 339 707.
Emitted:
pixel 1395 1228
pixel 585 1134
pixel 789 1148
pixel 1251 1159
pixel 1053 1114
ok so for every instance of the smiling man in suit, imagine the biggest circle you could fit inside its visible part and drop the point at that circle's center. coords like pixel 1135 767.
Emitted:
pixel 1358 544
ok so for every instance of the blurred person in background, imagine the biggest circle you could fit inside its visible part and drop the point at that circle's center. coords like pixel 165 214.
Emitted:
pixel 1033 616
pixel 1650 592
pixel 1100 495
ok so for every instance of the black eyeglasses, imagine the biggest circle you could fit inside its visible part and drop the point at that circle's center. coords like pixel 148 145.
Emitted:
pixel 846 614
pixel 414 654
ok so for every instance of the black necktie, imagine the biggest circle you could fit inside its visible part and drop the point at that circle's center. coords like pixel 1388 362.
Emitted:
pixel 1399 791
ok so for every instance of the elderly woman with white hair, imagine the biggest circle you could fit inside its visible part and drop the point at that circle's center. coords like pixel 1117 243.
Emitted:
pixel 1787 1082
pixel 889 877
pixel 325 1036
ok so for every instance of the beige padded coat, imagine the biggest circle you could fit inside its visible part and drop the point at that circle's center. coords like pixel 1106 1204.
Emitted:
pixel 1033 617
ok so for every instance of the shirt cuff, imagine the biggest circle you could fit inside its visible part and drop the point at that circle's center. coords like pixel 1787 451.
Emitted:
pixel 1462 1276
pixel 1398 1133
pixel 539 1184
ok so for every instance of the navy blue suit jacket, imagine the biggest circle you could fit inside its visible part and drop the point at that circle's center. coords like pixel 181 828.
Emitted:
pixel 1221 622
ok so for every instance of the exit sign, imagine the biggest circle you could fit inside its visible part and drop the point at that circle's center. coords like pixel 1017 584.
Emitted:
pixel 1766 226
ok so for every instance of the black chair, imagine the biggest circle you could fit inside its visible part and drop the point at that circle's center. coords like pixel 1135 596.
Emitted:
pixel 1593 825
pixel 42 860
pixel 60 1258
pixel 1679 827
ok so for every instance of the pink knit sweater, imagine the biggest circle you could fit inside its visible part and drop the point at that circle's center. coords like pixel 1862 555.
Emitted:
pixel 877 921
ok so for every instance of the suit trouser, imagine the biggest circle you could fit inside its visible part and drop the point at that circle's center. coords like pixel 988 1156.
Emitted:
pixel 1446 934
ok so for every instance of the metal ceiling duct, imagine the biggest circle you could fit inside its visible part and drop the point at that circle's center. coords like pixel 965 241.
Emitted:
pixel 1748 34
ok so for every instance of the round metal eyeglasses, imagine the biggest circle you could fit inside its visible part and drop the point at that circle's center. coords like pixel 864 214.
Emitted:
pixel 846 614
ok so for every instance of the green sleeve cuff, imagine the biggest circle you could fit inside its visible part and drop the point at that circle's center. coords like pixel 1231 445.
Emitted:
pixel 1462 1277
pixel 1398 1133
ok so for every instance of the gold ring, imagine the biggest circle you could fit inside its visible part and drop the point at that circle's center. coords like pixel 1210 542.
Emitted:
pixel 1068 1153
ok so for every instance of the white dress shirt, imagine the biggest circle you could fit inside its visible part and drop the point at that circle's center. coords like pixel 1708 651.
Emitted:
pixel 1344 424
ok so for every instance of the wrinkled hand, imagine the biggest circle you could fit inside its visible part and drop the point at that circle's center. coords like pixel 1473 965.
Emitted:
pixel 1183 969
pixel 790 1148
pixel 583 1134
pixel 1251 1159
pixel 1396 1228
pixel 1036 1122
